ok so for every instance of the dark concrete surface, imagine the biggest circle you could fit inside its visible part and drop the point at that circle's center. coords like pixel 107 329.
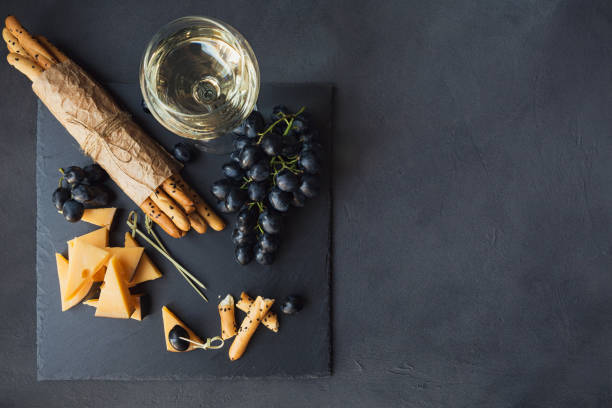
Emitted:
pixel 472 198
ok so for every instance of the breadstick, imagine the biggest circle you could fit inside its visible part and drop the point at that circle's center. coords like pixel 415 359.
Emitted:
pixel 203 209
pixel 60 56
pixel 171 209
pixel 12 43
pixel 197 223
pixel 228 318
pixel 177 194
pixel 258 310
pixel 270 320
pixel 161 219
pixel 25 65
pixel 33 47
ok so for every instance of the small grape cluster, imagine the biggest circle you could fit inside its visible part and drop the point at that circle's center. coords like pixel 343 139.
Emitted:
pixel 80 187
pixel 273 166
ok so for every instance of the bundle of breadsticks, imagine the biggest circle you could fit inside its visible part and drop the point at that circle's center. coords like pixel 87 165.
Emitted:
pixel 136 162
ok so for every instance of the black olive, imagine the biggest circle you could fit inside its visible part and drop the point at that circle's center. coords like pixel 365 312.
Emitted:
pixel 175 338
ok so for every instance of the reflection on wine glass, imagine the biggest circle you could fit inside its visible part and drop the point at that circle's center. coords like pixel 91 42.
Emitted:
pixel 200 79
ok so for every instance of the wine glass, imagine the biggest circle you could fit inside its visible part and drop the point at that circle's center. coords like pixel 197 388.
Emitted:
pixel 200 79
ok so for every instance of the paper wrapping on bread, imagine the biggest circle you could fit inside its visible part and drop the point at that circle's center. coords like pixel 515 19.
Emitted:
pixel 136 162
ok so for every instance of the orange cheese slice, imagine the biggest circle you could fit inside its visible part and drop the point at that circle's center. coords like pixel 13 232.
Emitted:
pixel 62 274
pixel 136 314
pixel 99 216
pixel 99 276
pixel 97 238
pixel 146 269
pixel 128 258
pixel 115 299
pixel 84 261
pixel 170 320
pixel 91 302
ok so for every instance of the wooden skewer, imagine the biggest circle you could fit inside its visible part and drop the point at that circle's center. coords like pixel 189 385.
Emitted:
pixel 60 56
pixel 31 45
pixel 12 43
pixel 25 65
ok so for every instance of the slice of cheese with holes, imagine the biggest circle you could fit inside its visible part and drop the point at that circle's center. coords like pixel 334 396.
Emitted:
pixel 99 216
pixel 128 258
pixel 136 314
pixel 84 261
pixel 170 320
pixel 62 274
pixel 115 299
pixel 146 269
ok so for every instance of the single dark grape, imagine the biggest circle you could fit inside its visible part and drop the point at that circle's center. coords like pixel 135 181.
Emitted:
pixel 233 170
pixel 299 125
pixel 183 152
pixel 235 199
pixel 279 200
pixel 277 110
pixel 287 181
pixel 249 156
pixel 82 193
pixel 94 174
pixel 222 207
pixel 309 162
pixel 292 304
pixel 243 237
pixel 247 216
pixel 298 199
pixel 60 196
pixel 221 188
pixel 235 156
pixel 102 196
pixel 240 130
pixel 309 137
pixel 257 191
pixel 260 171
pixel 241 142
pixel 175 340
pixel 262 257
pixel 314 147
pixel 270 221
pixel 271 144
pixel 145 107
pixel 243 254
pixel 73 210
pixel 268 242
pixel 310 185
pixel 74 175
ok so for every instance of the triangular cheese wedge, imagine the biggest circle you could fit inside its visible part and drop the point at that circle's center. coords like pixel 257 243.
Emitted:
pixel 128 258
pixel 97 238
pixel 170 320
pixel 137 313
pixel 99 216
pixel 84 262
pixel 115 299
pixel 62 274
pixel 146 269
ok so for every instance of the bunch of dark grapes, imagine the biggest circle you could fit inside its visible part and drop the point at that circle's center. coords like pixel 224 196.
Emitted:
pixel 81 187
pixel 274 166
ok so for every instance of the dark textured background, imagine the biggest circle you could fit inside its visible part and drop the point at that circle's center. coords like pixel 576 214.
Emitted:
pixel 472 185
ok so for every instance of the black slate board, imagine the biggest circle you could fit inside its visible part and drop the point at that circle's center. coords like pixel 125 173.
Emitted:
pixel 75 345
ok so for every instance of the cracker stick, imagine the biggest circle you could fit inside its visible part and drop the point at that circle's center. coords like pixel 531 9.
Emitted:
pixel 258 310
pixel 197 223
pixel 171 209
pixel 270 320
pixel 177 194
pixel 228 318
pixel 33 47
pixel 161 219
pixel 60 56
pixel 25 65
pixel 12 43
pixel 203 209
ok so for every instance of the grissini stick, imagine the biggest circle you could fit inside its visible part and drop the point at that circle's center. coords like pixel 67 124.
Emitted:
pixel 258 310
pixel 270 320
pixel 197 223
pixel 177 194
pixel 161 219
pixel 25 65
pixel 60 56
pixel 12 43
pixel 33 47
pixel 203 209
pixel 228 318
pixel 171 209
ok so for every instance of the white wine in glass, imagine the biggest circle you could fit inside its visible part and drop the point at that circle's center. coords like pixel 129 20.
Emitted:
pixel 200 79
